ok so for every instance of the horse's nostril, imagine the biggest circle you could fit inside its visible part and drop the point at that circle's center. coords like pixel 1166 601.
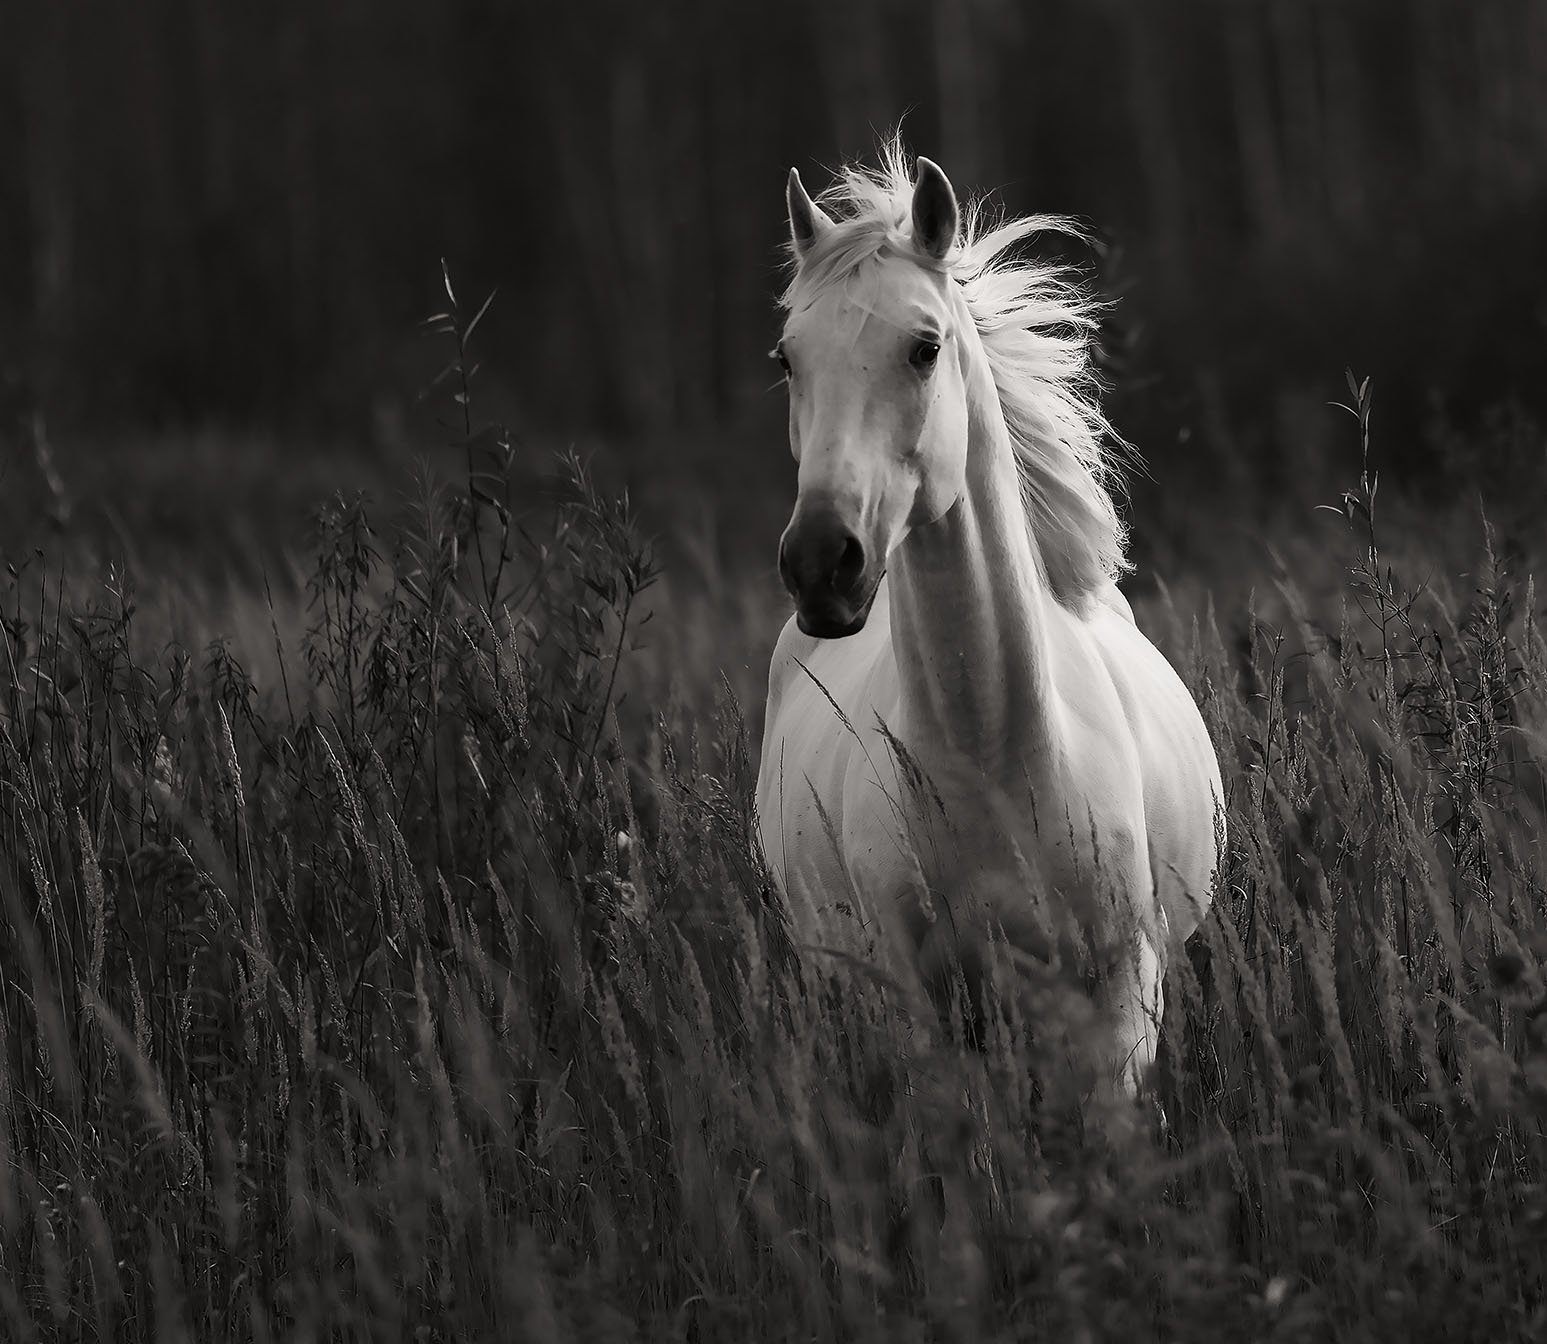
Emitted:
pixel 851 563
pixel 787 570
pixel 820 559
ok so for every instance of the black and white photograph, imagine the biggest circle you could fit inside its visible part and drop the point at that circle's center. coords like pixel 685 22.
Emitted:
pixel 854 671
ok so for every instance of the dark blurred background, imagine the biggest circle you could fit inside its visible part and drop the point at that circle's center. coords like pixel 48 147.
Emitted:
pixel 225 222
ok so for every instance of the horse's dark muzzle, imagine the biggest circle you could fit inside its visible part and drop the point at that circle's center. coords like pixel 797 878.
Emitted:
pixel 824 568
pixel 835 621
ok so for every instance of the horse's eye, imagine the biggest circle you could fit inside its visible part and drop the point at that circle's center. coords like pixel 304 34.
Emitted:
pixel 924 355
pixel 778 353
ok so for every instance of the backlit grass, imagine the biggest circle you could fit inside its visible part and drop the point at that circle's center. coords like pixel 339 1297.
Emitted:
pixel 418 992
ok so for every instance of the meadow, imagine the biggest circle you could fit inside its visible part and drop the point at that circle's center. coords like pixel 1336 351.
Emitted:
pixel 387 953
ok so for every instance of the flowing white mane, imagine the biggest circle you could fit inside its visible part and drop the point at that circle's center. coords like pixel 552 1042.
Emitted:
pixel 1035 324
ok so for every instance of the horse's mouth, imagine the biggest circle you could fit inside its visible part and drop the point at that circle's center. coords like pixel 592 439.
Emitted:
pixel 828 625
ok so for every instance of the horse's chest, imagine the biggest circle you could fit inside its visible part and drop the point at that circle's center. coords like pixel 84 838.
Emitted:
pixel 875 829
pixel 938 819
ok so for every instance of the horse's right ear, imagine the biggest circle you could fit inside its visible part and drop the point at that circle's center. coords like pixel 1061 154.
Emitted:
pixel 807 222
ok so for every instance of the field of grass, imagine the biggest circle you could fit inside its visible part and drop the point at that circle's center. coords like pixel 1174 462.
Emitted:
pixel 403 966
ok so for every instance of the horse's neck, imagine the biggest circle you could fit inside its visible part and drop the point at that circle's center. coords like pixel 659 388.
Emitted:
pixel 970 612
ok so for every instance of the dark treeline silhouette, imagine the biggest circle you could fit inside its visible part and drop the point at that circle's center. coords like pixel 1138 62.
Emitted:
pixel 234 213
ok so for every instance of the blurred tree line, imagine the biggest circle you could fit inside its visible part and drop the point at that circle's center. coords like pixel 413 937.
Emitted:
pixel 235 212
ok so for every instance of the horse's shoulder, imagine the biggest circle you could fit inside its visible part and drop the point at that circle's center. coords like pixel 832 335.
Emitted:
pixel 1111 597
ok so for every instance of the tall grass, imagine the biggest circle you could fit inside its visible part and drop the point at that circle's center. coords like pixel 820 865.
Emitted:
pixel 420 994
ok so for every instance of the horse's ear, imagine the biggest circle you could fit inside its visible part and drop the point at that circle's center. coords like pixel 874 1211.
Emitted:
pixel 935 214
pixel 807 222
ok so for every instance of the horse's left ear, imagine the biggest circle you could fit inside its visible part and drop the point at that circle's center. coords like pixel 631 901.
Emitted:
pixel 935 214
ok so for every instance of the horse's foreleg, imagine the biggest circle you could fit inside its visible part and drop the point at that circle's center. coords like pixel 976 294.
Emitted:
pixel 1132 999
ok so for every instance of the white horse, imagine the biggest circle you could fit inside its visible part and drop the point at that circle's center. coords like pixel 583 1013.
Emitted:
pixel 962 714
